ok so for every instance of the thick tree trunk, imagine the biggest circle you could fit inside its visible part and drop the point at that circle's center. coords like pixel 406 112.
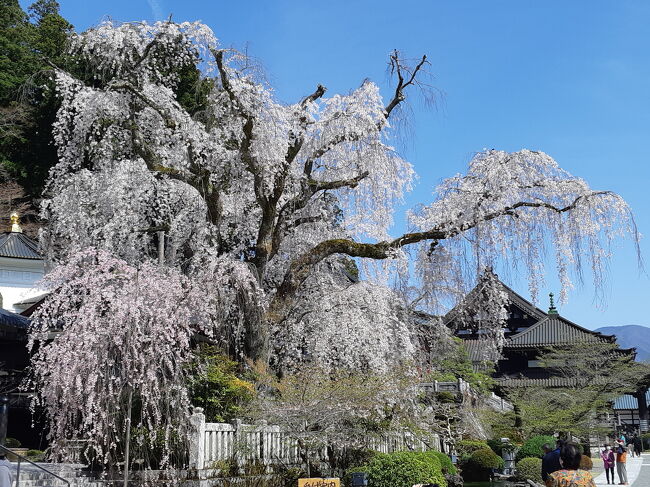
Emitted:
pixel 643 404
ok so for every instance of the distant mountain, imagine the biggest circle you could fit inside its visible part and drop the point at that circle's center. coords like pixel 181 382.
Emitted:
pixel 631 336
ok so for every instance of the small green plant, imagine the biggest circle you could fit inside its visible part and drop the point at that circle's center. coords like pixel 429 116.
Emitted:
pixel 529 469
pixel 227 468
pixel 533 447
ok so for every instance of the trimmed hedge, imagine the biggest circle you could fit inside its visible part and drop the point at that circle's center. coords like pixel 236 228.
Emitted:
pixel 467 447
pixel 529 469
pixel 486 458
pixel 533 447
pixel 403 469
pixel 480 463
pixel 586 463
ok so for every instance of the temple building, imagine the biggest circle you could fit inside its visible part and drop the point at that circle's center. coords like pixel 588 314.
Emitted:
pixel 528 331
pixel 21 267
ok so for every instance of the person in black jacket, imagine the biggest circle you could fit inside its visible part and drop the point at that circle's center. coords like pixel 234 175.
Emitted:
pixel 551 460
pixel 636 441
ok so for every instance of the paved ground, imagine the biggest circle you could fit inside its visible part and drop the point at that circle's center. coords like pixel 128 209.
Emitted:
pixel 638 472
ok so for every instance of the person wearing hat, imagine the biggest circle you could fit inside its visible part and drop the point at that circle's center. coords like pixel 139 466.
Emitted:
pixel 621 459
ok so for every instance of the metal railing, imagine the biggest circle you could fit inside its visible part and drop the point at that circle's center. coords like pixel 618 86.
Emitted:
pixel 22 458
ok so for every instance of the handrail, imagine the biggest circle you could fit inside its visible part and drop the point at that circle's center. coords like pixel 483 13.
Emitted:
pixel 20 457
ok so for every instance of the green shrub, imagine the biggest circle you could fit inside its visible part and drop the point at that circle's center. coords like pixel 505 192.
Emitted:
pixel 35 455
pixel 529 469
pixel 218 386
pixel 403 469
pixel 478 465
pixel 586 463
pixel 467 447
pixel 445 462
pixel 533 447
pixel 12 443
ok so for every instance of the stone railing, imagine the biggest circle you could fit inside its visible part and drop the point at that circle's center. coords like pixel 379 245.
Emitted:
pixel 267 445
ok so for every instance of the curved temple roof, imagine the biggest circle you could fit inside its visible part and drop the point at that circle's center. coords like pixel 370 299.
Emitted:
pixel 555 330
pixel 18 246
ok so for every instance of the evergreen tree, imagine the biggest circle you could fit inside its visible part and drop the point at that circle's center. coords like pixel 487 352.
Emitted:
pixel 28 44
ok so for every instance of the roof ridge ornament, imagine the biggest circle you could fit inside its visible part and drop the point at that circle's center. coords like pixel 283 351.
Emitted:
pixel 15 223
pixel 551 309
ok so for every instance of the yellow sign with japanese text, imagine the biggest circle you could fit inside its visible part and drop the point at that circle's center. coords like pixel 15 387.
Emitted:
pixel 319 482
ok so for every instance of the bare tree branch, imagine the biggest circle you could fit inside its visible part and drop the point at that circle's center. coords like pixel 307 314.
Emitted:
pixel 400 70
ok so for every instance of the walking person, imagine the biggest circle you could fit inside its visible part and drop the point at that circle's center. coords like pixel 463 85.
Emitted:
pixel 571 475
pixel 621 459
pixel 638 445
pixel 5 472
pixel 607 454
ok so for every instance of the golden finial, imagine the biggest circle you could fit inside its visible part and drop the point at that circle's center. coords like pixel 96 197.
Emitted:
pixel 15 223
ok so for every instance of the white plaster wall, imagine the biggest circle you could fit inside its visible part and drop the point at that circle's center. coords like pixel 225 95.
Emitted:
pixel 18 278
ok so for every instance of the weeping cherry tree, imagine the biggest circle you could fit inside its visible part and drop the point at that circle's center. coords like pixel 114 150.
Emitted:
pixel 281 200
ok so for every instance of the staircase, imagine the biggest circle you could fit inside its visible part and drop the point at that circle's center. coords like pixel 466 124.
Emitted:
pixel 32 476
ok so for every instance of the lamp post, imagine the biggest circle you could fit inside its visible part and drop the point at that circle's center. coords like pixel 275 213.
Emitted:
pixel 4 417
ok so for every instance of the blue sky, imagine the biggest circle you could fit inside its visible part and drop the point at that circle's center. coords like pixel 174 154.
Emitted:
pixel 567 78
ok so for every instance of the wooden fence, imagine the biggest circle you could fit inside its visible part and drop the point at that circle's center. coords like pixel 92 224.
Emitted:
pixel 264 444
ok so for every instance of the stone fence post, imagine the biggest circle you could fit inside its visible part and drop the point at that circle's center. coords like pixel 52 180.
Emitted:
pixel 238 444
pixel 197 440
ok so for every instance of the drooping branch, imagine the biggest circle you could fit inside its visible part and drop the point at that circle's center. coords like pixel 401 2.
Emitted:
pixel 170 123
pixel 301 267
pixel 154 42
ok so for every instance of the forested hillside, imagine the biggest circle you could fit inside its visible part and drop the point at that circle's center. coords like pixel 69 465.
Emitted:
pixel 29 43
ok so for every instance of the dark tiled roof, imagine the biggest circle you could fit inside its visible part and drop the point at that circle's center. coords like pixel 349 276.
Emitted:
pixel 18 246
pixel 555 330
pixel 476 349
pixel 628 401
pixel 523 303
pixel 513 298
pixel 13 326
